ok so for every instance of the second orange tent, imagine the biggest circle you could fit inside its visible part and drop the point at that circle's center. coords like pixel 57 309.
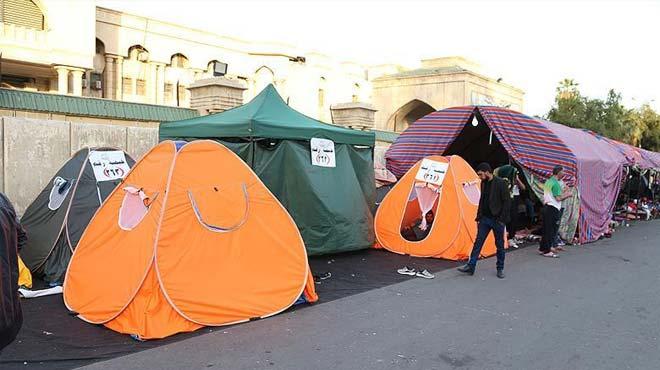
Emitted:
pixel 453 199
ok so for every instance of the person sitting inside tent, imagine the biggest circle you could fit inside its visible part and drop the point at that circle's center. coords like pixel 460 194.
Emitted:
pixel 417 231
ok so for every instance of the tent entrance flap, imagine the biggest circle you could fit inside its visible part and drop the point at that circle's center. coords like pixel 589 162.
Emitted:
pixel 420 210
pixel 477 144
pixel 59 192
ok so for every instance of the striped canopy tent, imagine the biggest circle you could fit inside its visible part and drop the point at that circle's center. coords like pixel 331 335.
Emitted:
pixel 495 135
pixel 526 140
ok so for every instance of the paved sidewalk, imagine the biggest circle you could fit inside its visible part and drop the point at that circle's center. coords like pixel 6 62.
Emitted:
pixel 596 307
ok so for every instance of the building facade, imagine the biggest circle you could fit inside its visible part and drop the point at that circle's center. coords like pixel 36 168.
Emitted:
pixel 76 48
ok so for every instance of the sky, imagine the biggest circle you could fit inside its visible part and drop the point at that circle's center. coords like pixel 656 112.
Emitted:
pixel 530 44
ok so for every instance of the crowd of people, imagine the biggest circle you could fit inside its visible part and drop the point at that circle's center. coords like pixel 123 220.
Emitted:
pixel 503 195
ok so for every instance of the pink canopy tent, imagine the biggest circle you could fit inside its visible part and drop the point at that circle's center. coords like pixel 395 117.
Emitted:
pixel 634 156
pixel 599 176
pixel 651 157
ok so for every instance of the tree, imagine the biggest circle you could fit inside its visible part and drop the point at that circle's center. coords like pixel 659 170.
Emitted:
pixel 649 136
pixel 569 107
pixel 609 117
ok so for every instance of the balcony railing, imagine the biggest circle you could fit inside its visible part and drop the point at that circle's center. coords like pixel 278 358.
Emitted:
pixel 23 36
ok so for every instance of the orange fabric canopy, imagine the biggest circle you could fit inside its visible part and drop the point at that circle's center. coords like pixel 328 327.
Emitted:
pixel 191 238
pixel 454 228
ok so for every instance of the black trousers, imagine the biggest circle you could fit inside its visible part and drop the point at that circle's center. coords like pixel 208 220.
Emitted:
pixel 550 228
pixel 513 224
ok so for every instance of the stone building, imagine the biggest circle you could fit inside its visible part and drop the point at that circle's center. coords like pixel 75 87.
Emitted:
pixel 76 48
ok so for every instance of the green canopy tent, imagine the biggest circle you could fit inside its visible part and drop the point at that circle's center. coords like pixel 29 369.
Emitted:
pixel 332 206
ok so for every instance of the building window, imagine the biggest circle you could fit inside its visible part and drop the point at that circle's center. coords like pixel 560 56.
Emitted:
pixel 23 13
pixel 141 87
pixel 139 53
pixel 169 92
pixel 263 77
pixel 126 86
pixel 181 93
pixel 179 61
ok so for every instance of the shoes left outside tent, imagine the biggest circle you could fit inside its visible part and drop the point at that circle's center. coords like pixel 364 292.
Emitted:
pixel 191 238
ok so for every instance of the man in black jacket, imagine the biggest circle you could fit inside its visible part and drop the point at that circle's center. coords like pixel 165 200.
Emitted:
pixel 11 237
pixel 493 214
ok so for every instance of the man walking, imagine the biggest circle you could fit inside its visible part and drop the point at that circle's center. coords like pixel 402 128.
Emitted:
pixel 492 214
pixel 552 197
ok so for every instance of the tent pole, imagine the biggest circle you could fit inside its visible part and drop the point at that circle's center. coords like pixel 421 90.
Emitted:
pixel 252 148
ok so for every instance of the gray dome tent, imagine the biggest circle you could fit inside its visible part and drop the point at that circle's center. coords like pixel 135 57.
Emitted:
pixel 56 219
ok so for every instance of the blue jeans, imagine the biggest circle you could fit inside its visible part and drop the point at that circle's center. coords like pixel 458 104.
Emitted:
pixel 485 225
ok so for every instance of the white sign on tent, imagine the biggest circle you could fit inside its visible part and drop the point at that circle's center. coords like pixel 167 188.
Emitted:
pixel 108 165
pixel 323 152
pixel 432 172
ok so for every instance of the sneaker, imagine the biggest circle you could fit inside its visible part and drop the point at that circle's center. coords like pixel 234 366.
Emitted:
pixel 513 244
pixel 425 274
pixel 466 269
pixel 319 277
pixel 406 271
pixel 500 274
pixel 560 243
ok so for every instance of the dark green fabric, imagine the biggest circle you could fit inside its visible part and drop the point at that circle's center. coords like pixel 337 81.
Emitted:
pixel 507 172
pixel 44 226
pixel 265 116
pixel 333 207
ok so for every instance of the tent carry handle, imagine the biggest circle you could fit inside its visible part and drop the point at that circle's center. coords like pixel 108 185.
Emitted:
pixel 216 228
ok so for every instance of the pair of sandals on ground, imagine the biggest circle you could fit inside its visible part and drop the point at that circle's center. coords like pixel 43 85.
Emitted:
pixel 412 272
pixel 559 247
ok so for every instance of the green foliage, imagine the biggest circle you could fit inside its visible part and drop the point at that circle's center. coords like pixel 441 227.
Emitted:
pixel 609 117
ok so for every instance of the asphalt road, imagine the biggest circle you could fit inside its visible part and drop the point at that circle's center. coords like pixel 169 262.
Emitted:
pixel 596 307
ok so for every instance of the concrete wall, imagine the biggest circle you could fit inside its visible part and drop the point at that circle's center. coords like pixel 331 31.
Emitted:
pixel 34 149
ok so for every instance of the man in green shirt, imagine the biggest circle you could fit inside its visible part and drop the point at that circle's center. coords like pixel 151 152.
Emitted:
pixel 552 197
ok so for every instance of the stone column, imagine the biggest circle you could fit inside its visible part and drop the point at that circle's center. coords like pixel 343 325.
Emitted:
pixel 160 83
pixel 77 73
pixel 109 77
pixel 62 79
pixel 356 115
pixel 217 94
pixel 119 77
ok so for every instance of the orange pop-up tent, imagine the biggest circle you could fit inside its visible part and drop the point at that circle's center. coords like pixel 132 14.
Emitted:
pixel 453 198
pixel 191 238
